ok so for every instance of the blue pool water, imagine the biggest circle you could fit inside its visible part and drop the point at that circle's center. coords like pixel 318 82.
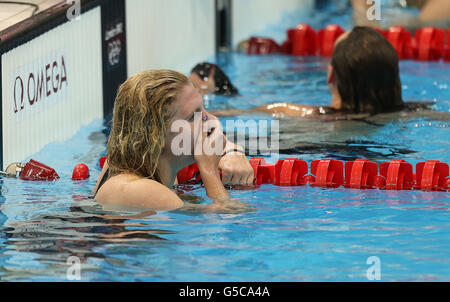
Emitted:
pixel 294 234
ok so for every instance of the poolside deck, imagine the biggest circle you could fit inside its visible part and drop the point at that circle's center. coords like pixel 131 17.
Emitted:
pixel 11 13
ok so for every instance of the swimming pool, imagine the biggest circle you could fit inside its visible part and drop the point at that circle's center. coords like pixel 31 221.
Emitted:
pixel 294 234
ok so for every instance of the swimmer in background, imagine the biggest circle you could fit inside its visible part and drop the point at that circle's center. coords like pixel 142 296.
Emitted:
pixel 363 79
pixel 434 13
pixel 210 79
pixel 141 167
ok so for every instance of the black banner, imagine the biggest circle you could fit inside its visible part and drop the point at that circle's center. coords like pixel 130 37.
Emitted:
pixel 1 116
pixel 114 51
pixel 231 291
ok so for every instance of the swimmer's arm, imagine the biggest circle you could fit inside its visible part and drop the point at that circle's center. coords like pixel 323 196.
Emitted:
pixel 228 206
pixel 229 112
pixel 435 10
pixel 213 184
pixel 222 203
pixel 286 109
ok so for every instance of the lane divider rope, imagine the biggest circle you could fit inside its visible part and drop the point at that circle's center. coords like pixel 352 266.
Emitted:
pixel 427 44
pixel 362 174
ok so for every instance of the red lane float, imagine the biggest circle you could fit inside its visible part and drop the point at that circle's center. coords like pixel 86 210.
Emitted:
pixel 286 48
pixel 264 173
pixel 303 39
pixel 398 174
pixel 288 172
pixel 36 171
pixel 291 172
pixel 327 38
pixel 329 173
pixel 430 44
pixel 262 46
pixel 432 176
pixel 383 32
pixel 80 172
pixel 402 41
pixel 361 174
pixel 189 175
pixel 447 48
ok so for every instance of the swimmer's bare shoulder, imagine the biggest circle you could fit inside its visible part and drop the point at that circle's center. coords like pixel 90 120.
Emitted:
pixel 132 191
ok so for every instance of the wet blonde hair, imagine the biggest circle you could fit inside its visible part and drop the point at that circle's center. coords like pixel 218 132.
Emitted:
pixel 140 120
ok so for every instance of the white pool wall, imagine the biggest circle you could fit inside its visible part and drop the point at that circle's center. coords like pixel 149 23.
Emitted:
pixel 77 101
pixel 169 34
pixel 178 34
pixel 251 17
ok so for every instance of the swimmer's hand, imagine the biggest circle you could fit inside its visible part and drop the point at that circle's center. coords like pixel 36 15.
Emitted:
pixel 235 167
pixel 209 148
pixel 219 206
pixel 230 206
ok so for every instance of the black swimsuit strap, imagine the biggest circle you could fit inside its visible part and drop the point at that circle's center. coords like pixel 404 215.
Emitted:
pixel 102 182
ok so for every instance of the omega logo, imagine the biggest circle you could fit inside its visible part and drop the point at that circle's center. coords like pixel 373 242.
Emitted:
pixel 39 84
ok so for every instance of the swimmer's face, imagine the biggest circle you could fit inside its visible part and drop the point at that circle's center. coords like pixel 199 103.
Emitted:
pixel 205 85
pixel 185 109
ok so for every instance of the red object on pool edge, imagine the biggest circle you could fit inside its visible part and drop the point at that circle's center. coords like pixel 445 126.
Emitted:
pixel 36 171
pixel 262 46
pixel 430 43
pixel 327 38
pixel 80 172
